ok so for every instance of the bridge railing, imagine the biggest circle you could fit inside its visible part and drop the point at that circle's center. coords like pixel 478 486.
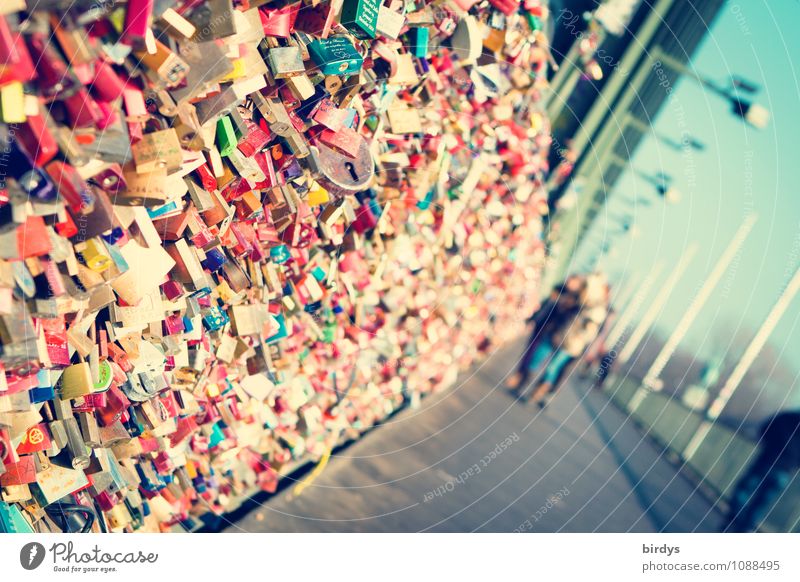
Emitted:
pixel 718 462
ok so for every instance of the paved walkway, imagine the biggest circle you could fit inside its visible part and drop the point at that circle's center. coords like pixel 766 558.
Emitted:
pixel 578 466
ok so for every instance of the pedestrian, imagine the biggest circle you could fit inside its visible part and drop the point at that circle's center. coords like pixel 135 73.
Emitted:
pixel 768 476
pixel 560 306
pixel 571 340
pixel 598 356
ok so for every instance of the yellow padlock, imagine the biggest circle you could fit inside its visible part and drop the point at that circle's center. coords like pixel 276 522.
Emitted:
pixel 317 195
pixel 12 103
pixel 95 255
pixel 76 381
pixel 237 72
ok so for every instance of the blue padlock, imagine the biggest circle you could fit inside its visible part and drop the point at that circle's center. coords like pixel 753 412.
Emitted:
pixel 280 254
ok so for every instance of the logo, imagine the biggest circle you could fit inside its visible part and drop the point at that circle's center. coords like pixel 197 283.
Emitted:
pixel 31 555
pixel 35 436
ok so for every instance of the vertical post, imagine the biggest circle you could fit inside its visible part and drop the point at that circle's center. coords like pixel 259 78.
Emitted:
pixel 658 303
pixel 621 299
pixel 630 312
pixel 651 379
pixel 750 354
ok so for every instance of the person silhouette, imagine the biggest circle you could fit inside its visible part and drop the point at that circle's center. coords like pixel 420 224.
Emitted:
pixel 768 475
pixel 559 307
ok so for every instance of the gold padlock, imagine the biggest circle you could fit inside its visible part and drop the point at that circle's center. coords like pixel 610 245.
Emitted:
pixel 76 381
pixel 143 188
pixel 169 67
pixel 317 195
pixel 159 150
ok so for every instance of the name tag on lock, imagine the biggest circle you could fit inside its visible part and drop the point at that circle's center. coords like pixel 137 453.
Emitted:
pixel 160 150
pixel 360 17
pixel 389 23
pixel 404 120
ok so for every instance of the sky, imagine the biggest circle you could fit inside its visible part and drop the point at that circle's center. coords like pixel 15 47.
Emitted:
pixel 742 170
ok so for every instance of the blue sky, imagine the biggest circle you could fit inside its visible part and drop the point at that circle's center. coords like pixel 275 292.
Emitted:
pixel 741 170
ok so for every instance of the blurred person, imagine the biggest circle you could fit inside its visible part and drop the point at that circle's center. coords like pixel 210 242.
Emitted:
pixel 598 356
pixel 571 340
pixel 562 304
pixel 768 475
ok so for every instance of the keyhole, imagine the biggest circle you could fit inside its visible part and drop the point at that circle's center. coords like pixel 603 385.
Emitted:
pixel 352 169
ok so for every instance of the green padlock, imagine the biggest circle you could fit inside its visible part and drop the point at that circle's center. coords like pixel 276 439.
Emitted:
pixel 226 136
pixel 360 17
pixel 104 377
pixel 335 56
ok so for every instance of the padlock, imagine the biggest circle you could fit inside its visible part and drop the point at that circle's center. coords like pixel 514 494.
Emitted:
pixel 225 137
pixel 89 429
pixel 404 120
pixel 419 37
pixel 143 189
pixel 254 140
pixel 466 40
pixel 18 65
pixel 169 68
pixel 137 20
pixel 345 141
pixel 177 23
pixel 12 103
pixel 76 381
pixel 200 198
pixel 94 255
pixel 72 187
pixel 106 83
pixel 111 180
pixel 275 114
pixel 8 455
pixel 207 64
pixel 114 434
pixel 159 150
pixel 212 19
pixel 23 472
pixel 187 126
pixel 37 139
pixel 389 23
pixel 54 77
pixel 78 452
pixel 327 114
pixel 285 62
pixel 84 111
pixel 318 19
pixel 279 22
pixel 58 434
pixel 335 56
pixel 301 86
pixel 33 181
pixel 360 17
